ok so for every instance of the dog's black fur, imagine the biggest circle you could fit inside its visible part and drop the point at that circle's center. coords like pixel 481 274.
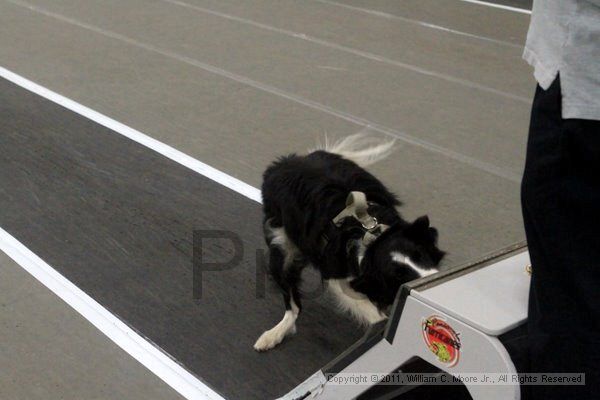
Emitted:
pixel 303 194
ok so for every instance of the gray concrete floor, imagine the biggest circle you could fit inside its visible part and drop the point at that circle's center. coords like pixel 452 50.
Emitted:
pixel 48 351
pixel 235 94
pixel 237 83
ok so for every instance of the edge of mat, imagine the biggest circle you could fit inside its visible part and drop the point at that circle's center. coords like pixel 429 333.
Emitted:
pixel 137 136
pixel 122 335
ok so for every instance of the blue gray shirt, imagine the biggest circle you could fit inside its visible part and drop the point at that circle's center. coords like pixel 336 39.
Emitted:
pixel 564 37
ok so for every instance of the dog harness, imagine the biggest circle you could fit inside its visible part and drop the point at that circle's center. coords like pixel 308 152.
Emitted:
pixel 357 207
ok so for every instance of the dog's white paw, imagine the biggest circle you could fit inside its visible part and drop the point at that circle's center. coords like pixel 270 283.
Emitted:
pixel 272 338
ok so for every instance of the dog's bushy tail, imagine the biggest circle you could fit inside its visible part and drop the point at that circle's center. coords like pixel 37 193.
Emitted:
pixel 362 148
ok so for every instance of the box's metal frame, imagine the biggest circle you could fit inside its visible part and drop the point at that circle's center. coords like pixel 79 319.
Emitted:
pixel 389 345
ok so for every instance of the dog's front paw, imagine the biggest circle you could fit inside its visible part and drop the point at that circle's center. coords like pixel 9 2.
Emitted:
pixel 271 338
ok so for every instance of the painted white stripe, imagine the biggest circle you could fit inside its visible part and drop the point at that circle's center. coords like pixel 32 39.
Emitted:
pixel 356 52
pixel 473 162
pixel 211 68
pixel 383 14
pixel 329 44
pixel 360 53
pixel 151 357
pixel 137 136
pixel 500 6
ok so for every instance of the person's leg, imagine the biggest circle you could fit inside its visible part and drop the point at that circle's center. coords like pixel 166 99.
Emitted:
pixel 561 202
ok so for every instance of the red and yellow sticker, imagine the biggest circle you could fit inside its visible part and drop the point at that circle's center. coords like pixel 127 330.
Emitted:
pixel 441 339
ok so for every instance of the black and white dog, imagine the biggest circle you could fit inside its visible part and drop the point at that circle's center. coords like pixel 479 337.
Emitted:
pixel 323 209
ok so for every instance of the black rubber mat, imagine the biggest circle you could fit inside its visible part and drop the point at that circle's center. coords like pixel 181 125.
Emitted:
pixel 117 219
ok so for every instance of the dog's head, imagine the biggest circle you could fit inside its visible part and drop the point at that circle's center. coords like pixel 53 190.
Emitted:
pixel 402 253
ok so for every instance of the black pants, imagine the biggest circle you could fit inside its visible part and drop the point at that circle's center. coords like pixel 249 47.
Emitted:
pixel 560 196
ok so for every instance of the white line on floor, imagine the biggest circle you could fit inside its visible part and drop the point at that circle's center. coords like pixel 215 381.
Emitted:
pixel 356 52
pixel 151 357
pixel 418 22
pixel 137 136
pixel 500 6
pixel 473 162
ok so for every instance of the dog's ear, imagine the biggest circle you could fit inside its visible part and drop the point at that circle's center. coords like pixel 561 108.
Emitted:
pixel 432 233
pixel 421 223
pixel 419 228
